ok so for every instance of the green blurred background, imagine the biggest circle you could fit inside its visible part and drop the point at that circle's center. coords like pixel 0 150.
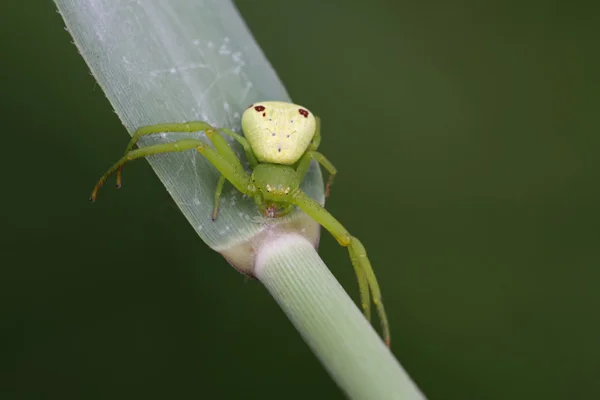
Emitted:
pixel 466 136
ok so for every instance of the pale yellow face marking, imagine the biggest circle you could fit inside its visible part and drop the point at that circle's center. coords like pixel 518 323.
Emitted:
pixel 278 132
pixel 285 190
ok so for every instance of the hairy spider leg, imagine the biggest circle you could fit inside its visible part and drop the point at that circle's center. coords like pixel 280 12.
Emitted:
pixel 231 171
pixel 358 256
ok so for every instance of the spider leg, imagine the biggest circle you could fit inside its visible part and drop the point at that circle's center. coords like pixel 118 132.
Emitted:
pixel 218 191
pixel 194 126
pixel 231 171
pixel 217 140
pixel 227 153
pixel 304 163
pixel 311 153
pixel 316 141
pixel 244 143
pixel 358 255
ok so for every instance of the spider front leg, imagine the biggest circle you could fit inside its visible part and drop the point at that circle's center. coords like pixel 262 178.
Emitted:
pixel 231 171
pixel 195 126
pixel 358 255
pixel 245 145
pixel 227 153
pixel 304 163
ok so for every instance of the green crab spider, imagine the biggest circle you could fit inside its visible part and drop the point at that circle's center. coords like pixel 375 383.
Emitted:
pixel 280 141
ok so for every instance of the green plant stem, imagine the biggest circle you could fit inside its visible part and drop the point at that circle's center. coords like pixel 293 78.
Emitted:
pixel 330 322
pixel 183 60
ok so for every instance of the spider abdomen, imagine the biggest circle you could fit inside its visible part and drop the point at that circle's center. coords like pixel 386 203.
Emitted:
pixel 278 132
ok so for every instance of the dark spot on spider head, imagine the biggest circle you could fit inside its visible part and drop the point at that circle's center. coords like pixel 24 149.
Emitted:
pixel 279 149
pixel 264 114
pixel 259 108
pixel 303 112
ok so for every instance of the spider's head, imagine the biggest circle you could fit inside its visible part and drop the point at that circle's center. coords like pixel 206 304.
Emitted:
pixel 275 182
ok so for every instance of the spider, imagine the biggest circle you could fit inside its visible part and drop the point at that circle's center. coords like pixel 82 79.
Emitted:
pixel 280 141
